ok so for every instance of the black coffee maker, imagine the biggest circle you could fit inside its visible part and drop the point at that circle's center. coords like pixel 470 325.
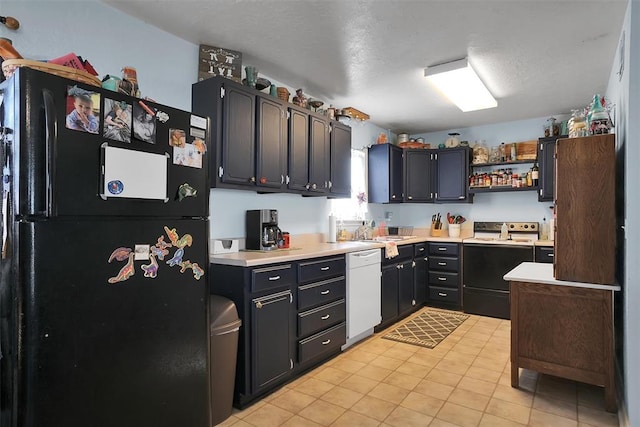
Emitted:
pixel 262 230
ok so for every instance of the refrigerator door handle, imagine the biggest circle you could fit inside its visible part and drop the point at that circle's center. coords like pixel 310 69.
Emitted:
pixel 51 139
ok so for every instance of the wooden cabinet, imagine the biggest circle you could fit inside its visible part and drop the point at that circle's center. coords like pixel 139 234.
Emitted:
pixel 563 331
pixel 265 302
pixel 340 170
pixel 322 328
pixel 319 152
pixel 418 176
pixel 585 226
pixel 546 153
pixel 298 158
pixel 271 142
pixel 386 173
pixel 451 181
pixel 266 145
pixel 444 274
pixel 543 254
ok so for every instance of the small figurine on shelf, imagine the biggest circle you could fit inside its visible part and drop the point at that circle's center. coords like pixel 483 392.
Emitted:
pixel 299 100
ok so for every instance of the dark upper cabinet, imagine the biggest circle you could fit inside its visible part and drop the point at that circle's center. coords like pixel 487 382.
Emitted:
pixel 271 142
pixel 298 154
pixel 452 175
pixel 418 175
pixel 546 165
pixel 340 170
pixel 237 138
pixel 319 152
pixel 386 174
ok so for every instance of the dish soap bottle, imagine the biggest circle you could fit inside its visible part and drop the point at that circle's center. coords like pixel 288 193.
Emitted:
pixel 504 231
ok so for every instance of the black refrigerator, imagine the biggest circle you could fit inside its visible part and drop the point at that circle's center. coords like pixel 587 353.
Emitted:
pixel 103 291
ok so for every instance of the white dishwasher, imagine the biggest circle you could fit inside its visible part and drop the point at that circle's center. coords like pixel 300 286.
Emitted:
pixel 363 294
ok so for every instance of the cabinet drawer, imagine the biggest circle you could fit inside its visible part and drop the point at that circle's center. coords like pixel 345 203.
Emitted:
pixel 419 250
pixel 443 263
pixel 544 254
pixel 315 320
pixel 319 293
pixel 330 340
pixel 444 278
pixel 444 295
pixel 309 271
pixel 404 252
pixel 448 249
pixel 274 276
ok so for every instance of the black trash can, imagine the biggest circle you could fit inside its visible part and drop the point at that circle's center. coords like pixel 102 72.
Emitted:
pixel 224 348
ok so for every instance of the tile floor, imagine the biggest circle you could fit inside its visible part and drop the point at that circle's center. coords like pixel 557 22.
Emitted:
pixel 464 381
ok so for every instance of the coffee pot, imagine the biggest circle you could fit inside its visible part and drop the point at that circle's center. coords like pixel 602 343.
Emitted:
pixel 263 232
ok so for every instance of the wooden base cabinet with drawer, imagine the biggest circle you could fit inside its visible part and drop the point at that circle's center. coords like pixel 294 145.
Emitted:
pixel 265 302
pixel 322 328
pixel 444 275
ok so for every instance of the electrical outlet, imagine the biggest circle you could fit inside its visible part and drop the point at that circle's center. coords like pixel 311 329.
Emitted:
pixel 388 215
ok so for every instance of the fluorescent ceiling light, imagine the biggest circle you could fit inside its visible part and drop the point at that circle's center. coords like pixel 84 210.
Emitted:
pixel 460 83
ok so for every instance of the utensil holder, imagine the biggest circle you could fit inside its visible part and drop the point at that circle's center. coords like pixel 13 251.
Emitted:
pixel 454 230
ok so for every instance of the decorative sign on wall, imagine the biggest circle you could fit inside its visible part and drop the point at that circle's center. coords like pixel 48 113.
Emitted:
pixel 217 61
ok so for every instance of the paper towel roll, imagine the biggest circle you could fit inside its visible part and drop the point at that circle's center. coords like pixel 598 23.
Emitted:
pixel 331 236
pixel 552 228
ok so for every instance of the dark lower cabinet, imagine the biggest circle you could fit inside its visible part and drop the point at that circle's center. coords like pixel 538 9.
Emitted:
pixel 406 298
pixel 389 303
pixel 444 275
pixel 420 276
pixel 544 254
pixel 271 332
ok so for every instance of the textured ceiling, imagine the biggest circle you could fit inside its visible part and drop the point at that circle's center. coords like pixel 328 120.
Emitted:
pixel 537 57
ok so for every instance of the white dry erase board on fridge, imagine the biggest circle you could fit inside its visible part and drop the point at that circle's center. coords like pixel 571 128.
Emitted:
pixel 133 174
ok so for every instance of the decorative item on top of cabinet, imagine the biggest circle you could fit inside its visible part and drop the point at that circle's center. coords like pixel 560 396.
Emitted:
pixel 585 227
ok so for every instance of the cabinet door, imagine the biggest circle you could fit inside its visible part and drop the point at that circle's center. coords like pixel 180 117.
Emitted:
pixel 340 179
pixel 318 155
pixel 546 153
pixel 452 174
pixel 389 308
pixel 417 171
pixel 270 143
pixel 271 332
pixel 405 287
pixel 396 175
pixel 238 136
pixel 298 154
pixel 420 280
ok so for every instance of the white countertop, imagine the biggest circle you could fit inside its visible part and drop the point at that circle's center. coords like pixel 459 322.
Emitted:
pixel 537 272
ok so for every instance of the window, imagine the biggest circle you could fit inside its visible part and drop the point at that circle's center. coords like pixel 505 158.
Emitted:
pixel 356 206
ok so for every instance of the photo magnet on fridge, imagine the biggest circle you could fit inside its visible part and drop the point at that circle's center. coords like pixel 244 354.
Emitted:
pixel 83 110
pixel 144 124
pixel 117 120
pixel 177 138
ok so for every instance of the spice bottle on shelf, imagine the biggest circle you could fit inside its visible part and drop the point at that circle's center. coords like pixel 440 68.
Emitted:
pixel 529 179
pixel 513 152
pixel 503 152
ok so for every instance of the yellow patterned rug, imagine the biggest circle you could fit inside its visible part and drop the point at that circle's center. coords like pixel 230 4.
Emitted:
pixel 428 328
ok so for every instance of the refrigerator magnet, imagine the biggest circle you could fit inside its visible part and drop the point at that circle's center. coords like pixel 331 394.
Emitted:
pixel 162 244
pixel 198 272
pixel 200 145
pixel 177 258
pixel 177 138
pixel 144 124
pixel 198 122
pixel 197 133
pixel 115 186
pixel 142 252
pixel 120 254
pixel 150 270
pixel 187 156
pixel 125 272
pixel 159 252
pixel 82 109
pixel 172 234
pixel 162 116
pixel 185 190
pixel 117 120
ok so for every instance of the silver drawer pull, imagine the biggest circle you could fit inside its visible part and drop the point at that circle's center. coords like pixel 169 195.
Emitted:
pixel 421 249
pixel 444 279
pixel 442 294
pixel 324 268
pixel 325 317
pixel 326 342
pixel 442 249
pixel 274 278
pixel 551 255
pixel 325 292
pixel 442 263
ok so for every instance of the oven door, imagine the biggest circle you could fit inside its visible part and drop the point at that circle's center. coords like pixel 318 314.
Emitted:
pixel 485 292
